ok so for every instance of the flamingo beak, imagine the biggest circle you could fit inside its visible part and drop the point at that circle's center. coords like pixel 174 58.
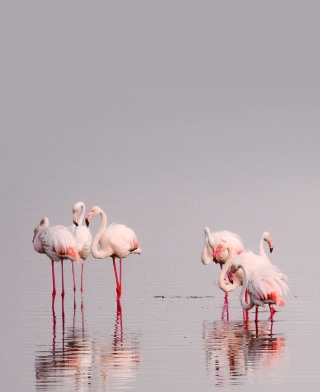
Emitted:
pixel 75 219
pixel 271 246
pixel 216 253
pixel 88 218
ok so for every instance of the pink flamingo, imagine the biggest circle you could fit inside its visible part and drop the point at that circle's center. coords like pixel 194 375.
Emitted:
pixel 58 244
pixel 83 238
pixel 213 239
pixel 115 240
pixel 264 283
pixel 211 242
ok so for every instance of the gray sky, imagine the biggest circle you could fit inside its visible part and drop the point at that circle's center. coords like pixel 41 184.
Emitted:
pixel 169 115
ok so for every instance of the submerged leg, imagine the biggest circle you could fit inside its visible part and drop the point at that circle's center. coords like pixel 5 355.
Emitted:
pixel 256 319
pixel 62 279
pixel 272 312
pixel 53 280
pixel 82 270
pixel 116 276
pixel 74 281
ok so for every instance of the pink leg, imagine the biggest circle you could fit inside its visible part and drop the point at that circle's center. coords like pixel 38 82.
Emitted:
pixel 245 315
pixel 62 278
pixel 272 312
pixel 120 278
pixel 116 276
pixel 81 288
pixel 74 281
pixel 53 281
pixel 256 319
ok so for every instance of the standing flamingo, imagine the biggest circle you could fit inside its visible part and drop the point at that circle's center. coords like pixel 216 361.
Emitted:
pixel 83 238
pixel 115 240
pixel 264 283
pixel 210 243
pixel 58 244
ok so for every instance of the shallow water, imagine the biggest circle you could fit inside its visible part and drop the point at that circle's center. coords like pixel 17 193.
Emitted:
pixel 160 338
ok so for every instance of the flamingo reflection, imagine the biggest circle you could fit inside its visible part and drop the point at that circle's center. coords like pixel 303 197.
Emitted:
pixel 236 351
pixel 69 362
pixel 74 361
pixel 117 358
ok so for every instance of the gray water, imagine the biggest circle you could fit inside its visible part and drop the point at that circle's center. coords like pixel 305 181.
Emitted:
pixel 170 117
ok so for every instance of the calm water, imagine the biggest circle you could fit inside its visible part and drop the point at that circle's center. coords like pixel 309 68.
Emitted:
pixel 172 335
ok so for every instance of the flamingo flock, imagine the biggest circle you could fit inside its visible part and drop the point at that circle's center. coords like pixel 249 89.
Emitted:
pixel 262 282
pixel 73 243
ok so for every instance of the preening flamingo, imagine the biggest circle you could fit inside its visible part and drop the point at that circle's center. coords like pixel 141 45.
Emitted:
pixel 264 283
pixel 213 239
pixel 83 238
pixel 115 240
pixel 58 243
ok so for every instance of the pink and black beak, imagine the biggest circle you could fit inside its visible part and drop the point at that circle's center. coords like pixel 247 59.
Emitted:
pixel 88 218
pixel 270 243
pixel 75 219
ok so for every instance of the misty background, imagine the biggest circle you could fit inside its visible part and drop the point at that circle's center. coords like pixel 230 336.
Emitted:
pixel 171 116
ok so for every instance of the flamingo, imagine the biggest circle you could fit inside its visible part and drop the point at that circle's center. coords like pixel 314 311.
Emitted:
pixel 115 240
pixel 83 238
pixel 210 243
pixel 264 283
pixel 58 244
pixel 213 239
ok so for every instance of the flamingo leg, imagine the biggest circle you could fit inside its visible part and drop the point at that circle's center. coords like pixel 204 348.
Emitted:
pixel 74 281
pixel 62 278
pixel 256 319
pixel 272 312
pixel 82 270
pixel 116 276
pixel 120 289
pixel 53 282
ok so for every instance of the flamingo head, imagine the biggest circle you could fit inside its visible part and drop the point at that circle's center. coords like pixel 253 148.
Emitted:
pixel 43 224
pixel 218 250
pixel 94 211
pixel 267 237
pixel 76 209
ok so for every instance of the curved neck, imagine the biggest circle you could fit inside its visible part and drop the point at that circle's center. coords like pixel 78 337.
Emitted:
pixel 100 254
pixel 82 212
pixel 224 272
pixel 262 251
pixel 261 248
pixel 209 237
pixel 250 305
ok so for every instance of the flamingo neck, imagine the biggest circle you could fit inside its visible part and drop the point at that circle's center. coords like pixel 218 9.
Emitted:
pixel 102 253
pixel 261 248
pixel 262 251
pixel 224 272
pixel 82 212
pixel 250 305
pixel 209 237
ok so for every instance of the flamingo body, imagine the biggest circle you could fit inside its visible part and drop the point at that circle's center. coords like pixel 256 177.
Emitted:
pixel 116 240
pixel 213 239
pixel 58 243
pixel 83 238
pixel 55 241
